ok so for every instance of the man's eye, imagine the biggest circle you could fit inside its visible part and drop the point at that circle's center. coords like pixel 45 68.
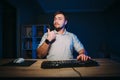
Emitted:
pixel 60 19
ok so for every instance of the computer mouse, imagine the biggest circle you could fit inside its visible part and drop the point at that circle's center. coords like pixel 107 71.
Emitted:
pixel 18 60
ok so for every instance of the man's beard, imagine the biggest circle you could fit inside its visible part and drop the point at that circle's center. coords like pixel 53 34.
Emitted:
pixel 59 28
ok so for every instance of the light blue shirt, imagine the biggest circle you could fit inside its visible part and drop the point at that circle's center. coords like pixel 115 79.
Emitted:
pixel 63 46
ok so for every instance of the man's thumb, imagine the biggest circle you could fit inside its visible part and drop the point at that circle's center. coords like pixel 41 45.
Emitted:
pixel 48 30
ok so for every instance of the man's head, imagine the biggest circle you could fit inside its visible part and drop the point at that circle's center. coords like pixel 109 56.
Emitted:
pixel 60 20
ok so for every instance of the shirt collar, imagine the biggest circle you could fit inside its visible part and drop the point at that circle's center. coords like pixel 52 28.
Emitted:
pixel 65 32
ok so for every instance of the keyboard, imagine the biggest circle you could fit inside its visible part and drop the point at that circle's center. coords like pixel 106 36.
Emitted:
pixel 68 63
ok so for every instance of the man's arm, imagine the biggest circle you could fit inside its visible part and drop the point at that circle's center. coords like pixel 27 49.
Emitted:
pixel 82 51
pixel 82 56
pixel 43 50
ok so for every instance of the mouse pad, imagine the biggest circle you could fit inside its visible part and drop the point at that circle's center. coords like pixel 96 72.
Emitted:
pixel 25 63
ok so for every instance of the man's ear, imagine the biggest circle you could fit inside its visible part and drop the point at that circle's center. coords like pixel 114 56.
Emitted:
pixel 65 22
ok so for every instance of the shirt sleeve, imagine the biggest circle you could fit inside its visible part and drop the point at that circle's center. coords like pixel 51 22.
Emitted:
pixel 77 43
pixel 42 40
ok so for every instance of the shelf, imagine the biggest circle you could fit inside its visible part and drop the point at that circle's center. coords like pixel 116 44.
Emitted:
pixel 27 49
pixel 30 38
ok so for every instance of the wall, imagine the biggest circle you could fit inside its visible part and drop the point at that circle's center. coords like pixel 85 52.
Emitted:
pixel 0 30
pixel 112 22
pixel 26 13
pixel 89 27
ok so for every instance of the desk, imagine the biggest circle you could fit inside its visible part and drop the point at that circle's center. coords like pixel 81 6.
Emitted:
pixel 108 68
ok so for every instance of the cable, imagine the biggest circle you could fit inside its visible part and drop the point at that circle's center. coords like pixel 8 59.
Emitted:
pixel 77 72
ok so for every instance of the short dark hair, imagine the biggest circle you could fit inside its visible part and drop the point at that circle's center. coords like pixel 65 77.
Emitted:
pixel 61 12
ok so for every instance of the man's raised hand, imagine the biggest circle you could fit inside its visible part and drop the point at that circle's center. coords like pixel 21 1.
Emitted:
pixel 51 35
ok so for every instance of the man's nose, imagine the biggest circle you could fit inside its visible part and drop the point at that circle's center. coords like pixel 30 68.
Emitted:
pixel 56 20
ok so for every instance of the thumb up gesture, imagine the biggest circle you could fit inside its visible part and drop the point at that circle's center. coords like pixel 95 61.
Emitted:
pixel 51 35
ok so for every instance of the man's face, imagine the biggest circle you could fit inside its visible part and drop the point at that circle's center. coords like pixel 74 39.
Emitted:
pixel 59 21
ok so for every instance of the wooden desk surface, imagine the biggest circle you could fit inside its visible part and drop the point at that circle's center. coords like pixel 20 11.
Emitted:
pixel 107 68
